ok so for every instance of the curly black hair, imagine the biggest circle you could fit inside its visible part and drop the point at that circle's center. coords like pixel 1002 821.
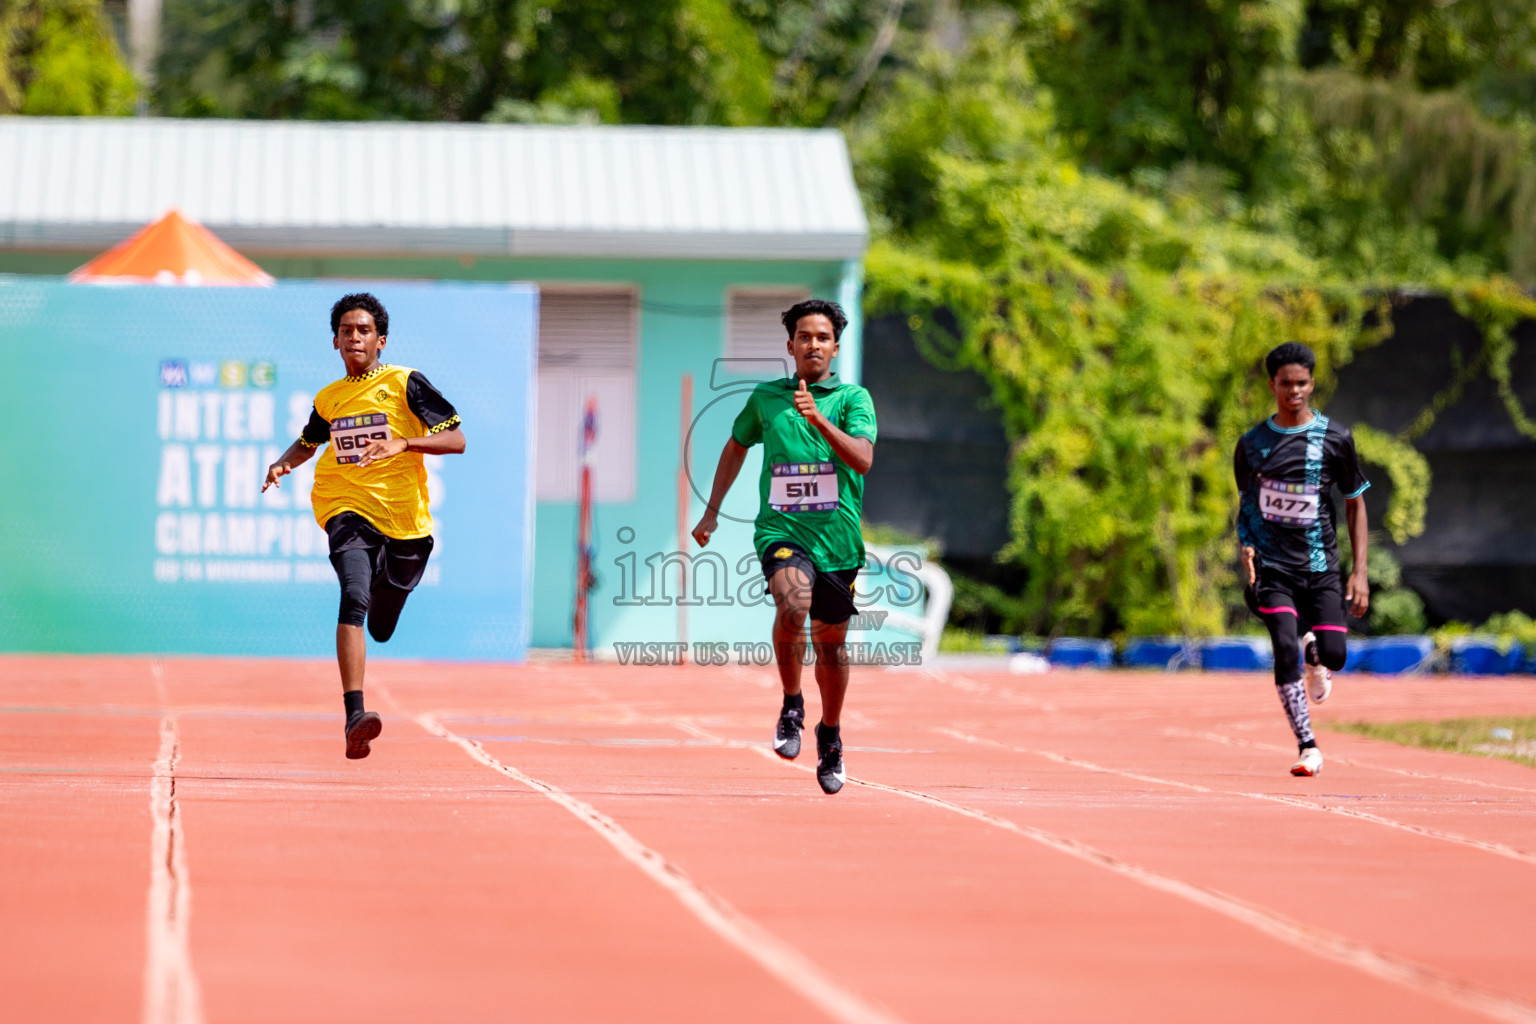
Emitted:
pixel 1285 355
pixel 365 302
pixel 811 307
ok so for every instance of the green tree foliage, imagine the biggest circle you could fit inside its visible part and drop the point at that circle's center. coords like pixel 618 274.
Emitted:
pixel 59 57
pixel 1391 139
pixel 1155 83
pixel 735 62
pixel 1418 137
pixel 1490 44
pixel 1409 184
pixel 826 53
pixel 666 61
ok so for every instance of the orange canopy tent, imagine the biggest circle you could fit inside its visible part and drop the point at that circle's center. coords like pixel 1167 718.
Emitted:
pixel 172 250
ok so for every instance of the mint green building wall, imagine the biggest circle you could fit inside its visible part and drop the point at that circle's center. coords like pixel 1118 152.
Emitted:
pixel 681 330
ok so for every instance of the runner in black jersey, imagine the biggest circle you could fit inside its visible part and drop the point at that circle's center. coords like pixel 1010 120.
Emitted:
pixel 1285 469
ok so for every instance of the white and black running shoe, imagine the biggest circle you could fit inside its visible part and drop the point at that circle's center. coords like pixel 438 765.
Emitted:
pixel 362 729
pixel 829 760
pixel 1319 679
pixel 786 735
pixel 1309 764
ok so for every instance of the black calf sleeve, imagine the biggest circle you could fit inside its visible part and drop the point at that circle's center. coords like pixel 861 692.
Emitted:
pixel 354 568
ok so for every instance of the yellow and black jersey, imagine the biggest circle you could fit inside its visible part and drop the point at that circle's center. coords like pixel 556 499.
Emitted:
pixel 387 401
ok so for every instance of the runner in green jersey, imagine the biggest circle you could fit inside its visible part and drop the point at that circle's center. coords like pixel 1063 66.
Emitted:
pixel 818 438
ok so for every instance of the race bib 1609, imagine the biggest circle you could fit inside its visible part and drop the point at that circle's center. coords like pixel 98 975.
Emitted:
pixel 1288 504
pixel 351 434
pixel 803 487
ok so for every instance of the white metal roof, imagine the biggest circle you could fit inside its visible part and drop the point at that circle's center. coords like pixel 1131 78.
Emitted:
pixel 523 190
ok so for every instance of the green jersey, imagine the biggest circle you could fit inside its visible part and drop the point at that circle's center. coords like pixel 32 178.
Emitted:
pixel 807 494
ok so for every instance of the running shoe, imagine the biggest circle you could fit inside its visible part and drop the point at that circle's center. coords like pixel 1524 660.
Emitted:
pixel 829 761
pixel 362 729
pixel 1311 763
pixel 786 735
pixel 1319 679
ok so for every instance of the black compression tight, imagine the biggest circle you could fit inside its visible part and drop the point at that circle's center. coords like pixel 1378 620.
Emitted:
pixel 1284 636
pixel 1330 647
pixel 364 598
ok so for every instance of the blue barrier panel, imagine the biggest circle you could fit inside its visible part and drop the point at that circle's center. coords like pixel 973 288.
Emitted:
pixel 1236 654
pixel 1080 652
pixel 1389 655
pixel 1480 656
pixel 137 524
pixel 1166 652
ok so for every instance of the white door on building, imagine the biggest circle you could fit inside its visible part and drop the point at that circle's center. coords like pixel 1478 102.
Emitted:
pixel 588 339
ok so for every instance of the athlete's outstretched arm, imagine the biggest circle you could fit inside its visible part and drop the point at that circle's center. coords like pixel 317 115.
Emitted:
pixel 731 458
pixel 297 454
pixel 857 452
pixel 1357 594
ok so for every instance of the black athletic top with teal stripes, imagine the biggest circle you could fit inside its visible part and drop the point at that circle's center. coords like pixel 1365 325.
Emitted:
pixel 1284 475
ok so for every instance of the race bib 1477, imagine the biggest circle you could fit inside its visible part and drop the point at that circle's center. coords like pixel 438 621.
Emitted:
pixel 796 487
pixel 351 434
pixel 1288 504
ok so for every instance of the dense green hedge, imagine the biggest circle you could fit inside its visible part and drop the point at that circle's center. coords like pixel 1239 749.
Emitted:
pixel 1122 337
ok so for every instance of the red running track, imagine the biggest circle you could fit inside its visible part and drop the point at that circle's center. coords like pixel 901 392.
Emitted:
pixel 183 841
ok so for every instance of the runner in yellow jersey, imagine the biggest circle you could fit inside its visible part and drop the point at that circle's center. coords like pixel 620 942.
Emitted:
pixel 370 491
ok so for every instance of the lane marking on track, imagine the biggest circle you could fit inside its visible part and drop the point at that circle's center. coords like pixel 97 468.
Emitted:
pixel 1498 849
pixel 1075 762
pixel 966 684
pixel 171 991
pixel 157 670
pixel 1316 941
pixel 1234 741
pixel 780 959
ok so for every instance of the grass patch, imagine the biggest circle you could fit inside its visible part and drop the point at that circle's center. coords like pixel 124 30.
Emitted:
pixel 1508 736
pixel 956 640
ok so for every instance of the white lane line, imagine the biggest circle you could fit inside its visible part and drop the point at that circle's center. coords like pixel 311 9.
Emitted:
pixel 1067 759
pixel 157 669
pixel 1498 849
pixel 1234 741
pixel 171 992
pixel 966 684
pixel 1316 941
pixel 774 955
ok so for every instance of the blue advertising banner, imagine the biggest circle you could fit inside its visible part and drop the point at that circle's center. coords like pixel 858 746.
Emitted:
pixel 143 420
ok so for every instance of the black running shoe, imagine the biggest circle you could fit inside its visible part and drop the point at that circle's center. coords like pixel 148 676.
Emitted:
pixel 786 735
pixel 362 729
pixel 829 760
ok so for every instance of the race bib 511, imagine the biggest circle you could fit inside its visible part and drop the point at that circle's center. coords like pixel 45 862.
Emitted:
pixel 351 434
pixel 1289 504
pixel 797 487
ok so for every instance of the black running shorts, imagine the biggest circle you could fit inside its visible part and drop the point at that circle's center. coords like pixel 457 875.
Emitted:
pixel 831 589
pixel 400 563
pixel 1316 599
